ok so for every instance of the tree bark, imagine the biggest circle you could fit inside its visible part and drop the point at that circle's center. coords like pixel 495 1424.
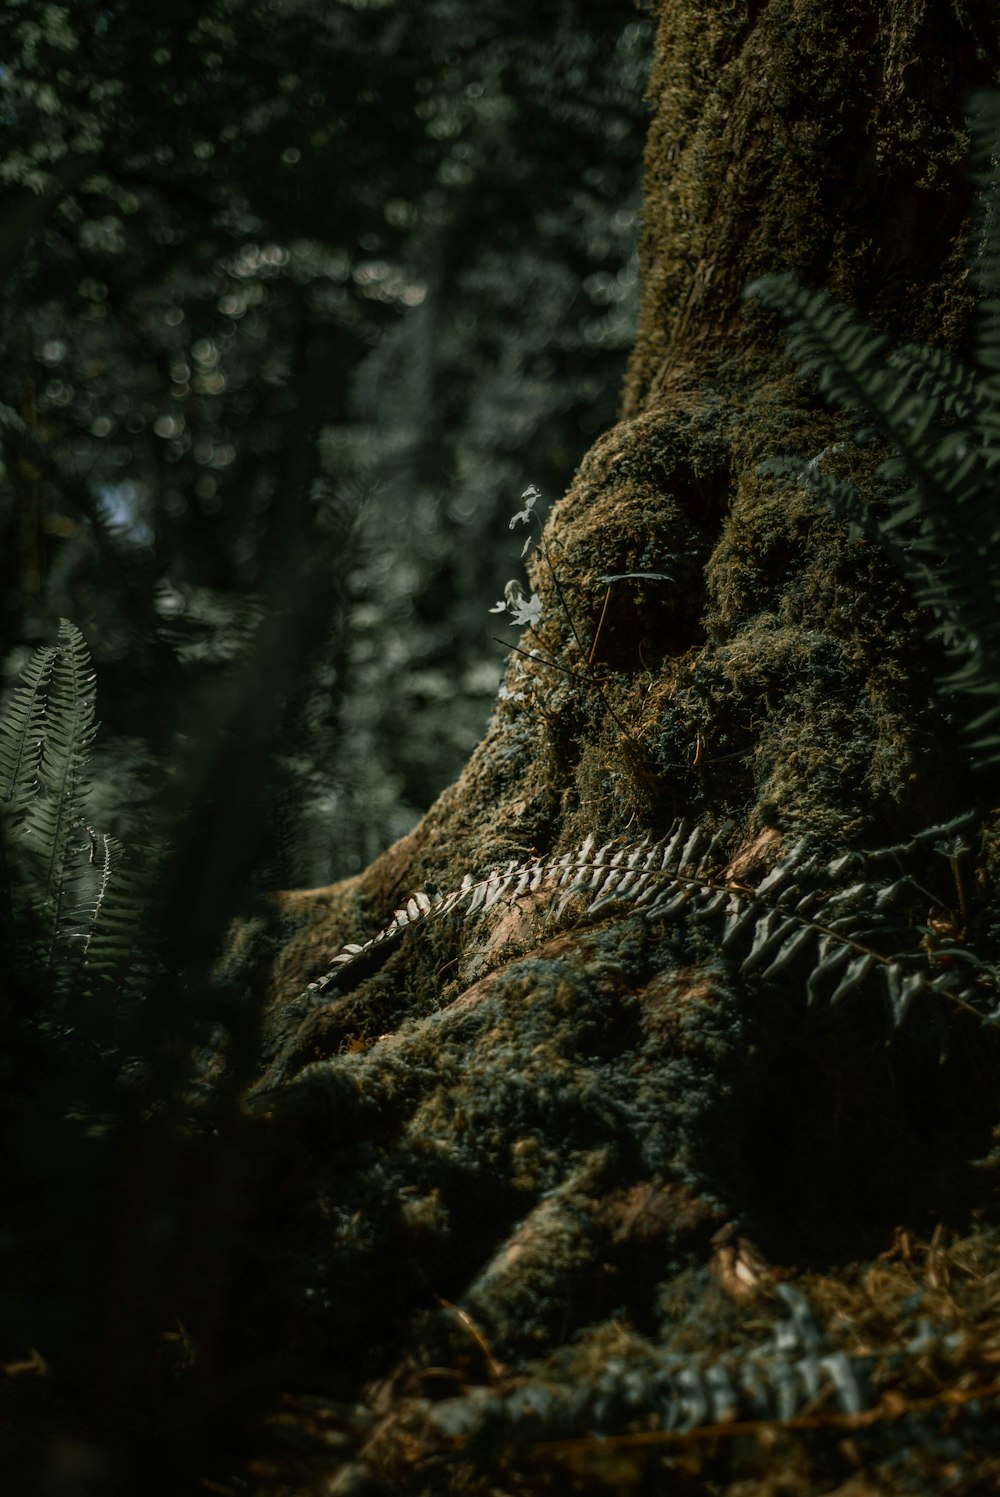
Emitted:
pixel 600 1139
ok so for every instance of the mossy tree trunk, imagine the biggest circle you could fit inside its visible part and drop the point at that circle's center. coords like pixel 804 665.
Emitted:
pixel 548 1123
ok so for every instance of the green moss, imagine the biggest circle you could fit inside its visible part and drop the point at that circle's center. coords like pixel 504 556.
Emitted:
pixel 791 136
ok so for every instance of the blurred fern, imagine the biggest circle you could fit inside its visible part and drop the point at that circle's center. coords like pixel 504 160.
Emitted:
pixel 79 895
pixel 942 525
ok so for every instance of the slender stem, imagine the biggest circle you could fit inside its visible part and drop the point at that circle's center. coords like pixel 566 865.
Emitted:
pixel 600 626
pixel 562 600
pixel 541 660
pixel 587 674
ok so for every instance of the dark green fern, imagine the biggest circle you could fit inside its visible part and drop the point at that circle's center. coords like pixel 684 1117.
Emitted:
pixel 76 897
pixel 22 730
pixel 54 827
pixel 941 525
pixel 117 954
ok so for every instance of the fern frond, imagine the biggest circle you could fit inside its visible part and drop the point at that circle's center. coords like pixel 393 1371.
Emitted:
pixel 674 1392
pixel 78 901
pixel 103 854
pixel 942 529
pixel 844 354
pixel 935 373
pixel 773 1380
pixel 114 921
pixel 604 872
pixel 22 730
pixel 830 343
pixel 54 825
pixel 802 916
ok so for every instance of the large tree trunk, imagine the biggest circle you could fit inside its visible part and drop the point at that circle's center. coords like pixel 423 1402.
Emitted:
pixel 574 1128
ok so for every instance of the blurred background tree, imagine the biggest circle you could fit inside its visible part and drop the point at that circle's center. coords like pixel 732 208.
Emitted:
pixel 296 298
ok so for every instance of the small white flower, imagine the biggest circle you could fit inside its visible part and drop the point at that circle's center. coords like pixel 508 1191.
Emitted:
pixel 522 610
pixel 528 611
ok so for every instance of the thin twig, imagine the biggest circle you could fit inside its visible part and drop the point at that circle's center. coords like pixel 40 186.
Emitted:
pixel 562 600
pixel 600 626
pixel 541 660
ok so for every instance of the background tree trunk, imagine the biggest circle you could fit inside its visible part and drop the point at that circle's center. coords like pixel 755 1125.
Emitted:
pixel 575 1132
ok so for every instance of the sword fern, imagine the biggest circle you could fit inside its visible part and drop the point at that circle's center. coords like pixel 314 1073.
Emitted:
pixel 75 898
pixel 942 525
